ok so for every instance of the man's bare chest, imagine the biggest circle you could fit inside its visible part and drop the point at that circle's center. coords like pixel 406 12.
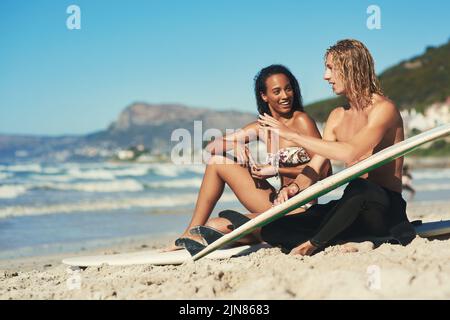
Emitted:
pixel 349 126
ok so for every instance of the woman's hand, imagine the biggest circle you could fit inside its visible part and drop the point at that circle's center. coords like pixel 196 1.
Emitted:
pixel 286 192
pixel 241 154
pixel 262 172
pixel 278 128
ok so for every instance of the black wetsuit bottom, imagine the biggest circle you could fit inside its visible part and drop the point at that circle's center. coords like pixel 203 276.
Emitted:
pixel 365 210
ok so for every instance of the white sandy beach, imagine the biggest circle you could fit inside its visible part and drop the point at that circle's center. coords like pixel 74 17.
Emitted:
pixel 420 270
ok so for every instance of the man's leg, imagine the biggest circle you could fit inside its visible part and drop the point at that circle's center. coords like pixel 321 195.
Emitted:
pixel 291 230
pixel 361 211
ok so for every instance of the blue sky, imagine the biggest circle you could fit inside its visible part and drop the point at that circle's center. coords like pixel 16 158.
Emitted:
pixel 199 53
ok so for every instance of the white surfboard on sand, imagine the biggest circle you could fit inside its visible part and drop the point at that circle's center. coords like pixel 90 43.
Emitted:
pixel 433 229
pixel 326 185
pixel 154 257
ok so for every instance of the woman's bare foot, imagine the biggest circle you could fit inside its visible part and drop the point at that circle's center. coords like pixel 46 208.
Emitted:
pixel 169 248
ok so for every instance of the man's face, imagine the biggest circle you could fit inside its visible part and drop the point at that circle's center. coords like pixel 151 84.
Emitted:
pixel 333 78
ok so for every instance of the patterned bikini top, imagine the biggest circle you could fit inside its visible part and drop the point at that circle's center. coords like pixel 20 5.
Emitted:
pixel 288 156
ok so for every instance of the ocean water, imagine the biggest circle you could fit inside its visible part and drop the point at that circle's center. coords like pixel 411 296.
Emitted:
pixel 54 208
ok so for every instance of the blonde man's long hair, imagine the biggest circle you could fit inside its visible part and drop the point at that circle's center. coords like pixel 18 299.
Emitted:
pixel 355 66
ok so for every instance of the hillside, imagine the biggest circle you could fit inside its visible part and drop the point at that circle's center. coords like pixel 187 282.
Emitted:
pixel 152 125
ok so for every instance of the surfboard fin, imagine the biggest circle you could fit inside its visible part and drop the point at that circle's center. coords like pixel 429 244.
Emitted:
pixel 209 234
pixel 237 219
pixel 192 246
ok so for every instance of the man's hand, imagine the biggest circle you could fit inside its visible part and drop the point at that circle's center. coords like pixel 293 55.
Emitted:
pixel 286 192
pixel 300 183
pixel 271 124
pixel 305 249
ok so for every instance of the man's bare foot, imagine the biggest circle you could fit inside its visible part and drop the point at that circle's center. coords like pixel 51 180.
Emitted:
pixel 356 247
pixel 305 249
pixel 174 247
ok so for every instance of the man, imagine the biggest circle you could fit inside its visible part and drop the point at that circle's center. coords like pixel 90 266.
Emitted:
pixel 372 205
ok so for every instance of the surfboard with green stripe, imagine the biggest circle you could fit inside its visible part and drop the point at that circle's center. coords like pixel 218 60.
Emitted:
pixel 328 184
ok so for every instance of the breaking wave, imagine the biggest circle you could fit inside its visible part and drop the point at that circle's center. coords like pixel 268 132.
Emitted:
pixel 108 204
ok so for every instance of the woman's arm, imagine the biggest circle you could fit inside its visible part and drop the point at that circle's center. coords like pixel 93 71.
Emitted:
pixel 381 118
pixel 230 141
pixel 291 172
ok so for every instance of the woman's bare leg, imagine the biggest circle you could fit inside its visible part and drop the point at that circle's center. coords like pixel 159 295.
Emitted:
pixel 220 171
pixel 224 226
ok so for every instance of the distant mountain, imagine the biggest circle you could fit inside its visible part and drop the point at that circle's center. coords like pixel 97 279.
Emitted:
pixel 140 123
pixel 152 125
pixel 412 84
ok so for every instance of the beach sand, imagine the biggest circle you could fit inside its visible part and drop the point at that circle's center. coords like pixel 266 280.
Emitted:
pixel 420 270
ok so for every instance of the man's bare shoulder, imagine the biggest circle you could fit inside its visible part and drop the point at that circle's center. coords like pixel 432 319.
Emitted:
pixel 336 115
pixel 334 119
pixel 383 107
pixel 383 102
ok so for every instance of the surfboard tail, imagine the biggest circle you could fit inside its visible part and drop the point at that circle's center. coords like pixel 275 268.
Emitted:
pixel 192 246
pixel 207 233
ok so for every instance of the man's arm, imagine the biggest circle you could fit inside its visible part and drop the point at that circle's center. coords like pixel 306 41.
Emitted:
pixel 380 120
pixel 307 126
pixel 310 173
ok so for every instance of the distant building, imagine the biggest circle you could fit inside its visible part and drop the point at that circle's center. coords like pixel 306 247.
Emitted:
pixel 435 115
pixel 125 155
pixel 140 147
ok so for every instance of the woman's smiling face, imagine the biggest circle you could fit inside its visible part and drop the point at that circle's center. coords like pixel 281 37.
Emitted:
pixel 279 94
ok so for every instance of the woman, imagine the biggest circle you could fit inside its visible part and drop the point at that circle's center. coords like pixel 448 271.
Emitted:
pixel 277 93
